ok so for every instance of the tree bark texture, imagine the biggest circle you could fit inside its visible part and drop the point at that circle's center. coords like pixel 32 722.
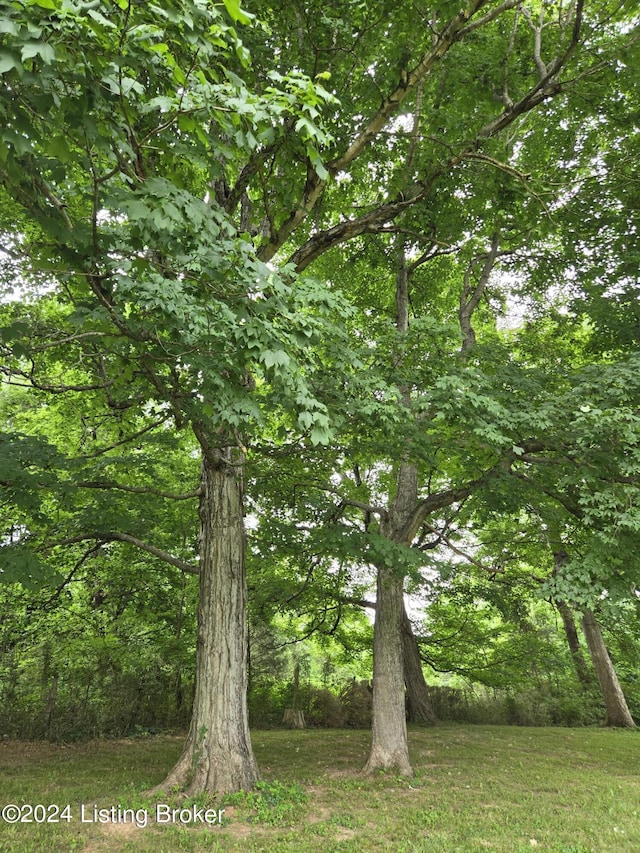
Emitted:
pixel 217 755
pixel 582 670
pixel 420 710
pixel 389 746
pixel 615 704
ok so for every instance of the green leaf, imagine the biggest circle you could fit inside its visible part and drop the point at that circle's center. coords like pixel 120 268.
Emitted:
pixel 320 435
pixel 275 358
pixel 39 48
pixel 316 162
pixel 7 26
pixel 236 13
pixel 59 147
pixel 20 143
pixel 8 62
pixel 14 331
pixel 100 19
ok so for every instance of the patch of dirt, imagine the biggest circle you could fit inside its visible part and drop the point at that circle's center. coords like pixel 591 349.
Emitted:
pixel 345 834
pixel 318 815
pixel 118 832
pixel 232 827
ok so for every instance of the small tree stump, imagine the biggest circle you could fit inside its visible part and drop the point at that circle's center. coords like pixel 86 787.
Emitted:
pixel 293 719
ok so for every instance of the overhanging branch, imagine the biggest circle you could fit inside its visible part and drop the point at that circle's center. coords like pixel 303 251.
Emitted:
pixel 115 536
pixel 140 490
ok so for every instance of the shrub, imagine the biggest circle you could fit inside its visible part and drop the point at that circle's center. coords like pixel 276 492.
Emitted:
pixel 324 708
pixel 357 700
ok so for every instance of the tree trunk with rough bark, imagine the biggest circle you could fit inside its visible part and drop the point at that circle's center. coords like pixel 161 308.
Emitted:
pixel 419 703
pixel 585 676
pixel 217 756
pixel 389 746
pixel 615 704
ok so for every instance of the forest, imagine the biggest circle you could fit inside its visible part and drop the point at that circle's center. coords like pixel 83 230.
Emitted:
pixel 319 371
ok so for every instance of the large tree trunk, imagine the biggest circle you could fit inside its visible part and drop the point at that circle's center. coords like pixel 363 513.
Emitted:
pixel 614 701
pixel 582 670
pixel 420 710
pixel 389 746
pixel 217 756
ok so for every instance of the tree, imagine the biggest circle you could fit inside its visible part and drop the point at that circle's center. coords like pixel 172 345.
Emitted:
pixel 485 150
pixel 148 295
pixel 413 207
pixel 547 533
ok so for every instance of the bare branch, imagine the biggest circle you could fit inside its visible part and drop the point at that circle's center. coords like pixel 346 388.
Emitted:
pixel 490 16
pixel 377 220
pixel 374 221
pixel 537 39
pixel 506 97
pixel 493 570
pixel 45 190
pixel 365 507
pixel 69 339
pixel 370 223
pixel 430 504
pixel 58 590
pixel 546 88
pixel 140 490
pixel 471 296
pixel 127 439
pixel 114 536
pixel 32 382
pixel 409 80
pixel 252 167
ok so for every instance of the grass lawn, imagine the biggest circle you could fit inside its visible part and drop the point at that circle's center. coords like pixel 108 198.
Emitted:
pixel 475 788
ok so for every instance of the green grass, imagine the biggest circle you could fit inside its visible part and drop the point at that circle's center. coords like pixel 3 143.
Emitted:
pixel 475 788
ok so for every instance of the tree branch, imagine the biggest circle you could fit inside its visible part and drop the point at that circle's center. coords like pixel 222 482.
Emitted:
pixel 32 382
pixel 471 296
pixel 127 439
pixel 370 223
pixel 490 16
pixel 377 220
pixel 69 339
pixel 432 503
pixel 408 81
pixel 114 536
pixel 492 570
pixel 140 490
